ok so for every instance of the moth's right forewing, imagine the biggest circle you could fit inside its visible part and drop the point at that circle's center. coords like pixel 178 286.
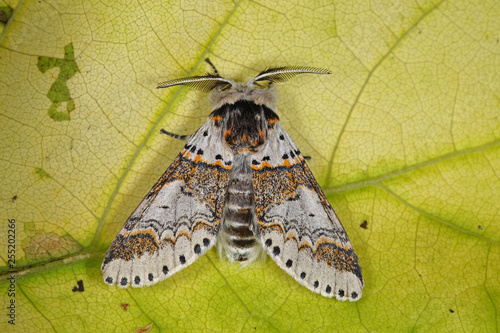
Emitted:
pixel 179 219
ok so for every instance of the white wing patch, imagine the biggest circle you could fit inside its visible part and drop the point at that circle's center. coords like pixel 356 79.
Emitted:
pixel 178 220
pixel 206 145
pixel 296 224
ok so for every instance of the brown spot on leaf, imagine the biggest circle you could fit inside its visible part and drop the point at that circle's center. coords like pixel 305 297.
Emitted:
pixel 79 287
pixel 48 246
pixel 145 329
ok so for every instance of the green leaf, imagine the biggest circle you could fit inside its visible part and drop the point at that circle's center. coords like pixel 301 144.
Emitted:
pixel 404 135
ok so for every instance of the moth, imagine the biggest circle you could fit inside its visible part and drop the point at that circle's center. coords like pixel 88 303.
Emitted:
pixel 241 182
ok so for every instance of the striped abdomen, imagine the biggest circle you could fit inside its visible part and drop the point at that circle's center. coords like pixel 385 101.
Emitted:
pixel 237 238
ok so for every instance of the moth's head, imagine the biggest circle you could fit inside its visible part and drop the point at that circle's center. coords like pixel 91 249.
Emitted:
pixel 257 90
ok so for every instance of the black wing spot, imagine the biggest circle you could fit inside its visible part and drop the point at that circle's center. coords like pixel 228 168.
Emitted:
pixel 123 282
pixel 151 277
pixel 285 156
pixel 109 280
pixel 289 263
pixel 197 248
pixel 282 137
pixel 186 146
pixel 193 149
pixel 137 280
pixel 269 242
pixel 200 151
pixel 266 158
pixel 205 133
pixel 292 155
pixel 328 289
pixel 316 284
pixel 218 157
pixel 182 260
pixel 164 270
pixel 341 293
pixel 229 162
pixel 206 241
pixel 255 162
pixel 312 215
pixel 303 275
pixel 276 250
pixel 354 294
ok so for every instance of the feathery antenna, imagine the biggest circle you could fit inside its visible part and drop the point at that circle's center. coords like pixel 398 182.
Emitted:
pixel 282 74
pixel 204 83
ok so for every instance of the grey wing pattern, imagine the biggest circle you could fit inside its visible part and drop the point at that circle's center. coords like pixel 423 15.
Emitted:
pixel 296 224
pixel 178 220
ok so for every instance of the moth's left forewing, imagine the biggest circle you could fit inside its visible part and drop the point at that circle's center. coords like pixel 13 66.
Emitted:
pixel 296 224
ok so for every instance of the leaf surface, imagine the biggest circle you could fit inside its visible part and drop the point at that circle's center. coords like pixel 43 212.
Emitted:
pixel 403 135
